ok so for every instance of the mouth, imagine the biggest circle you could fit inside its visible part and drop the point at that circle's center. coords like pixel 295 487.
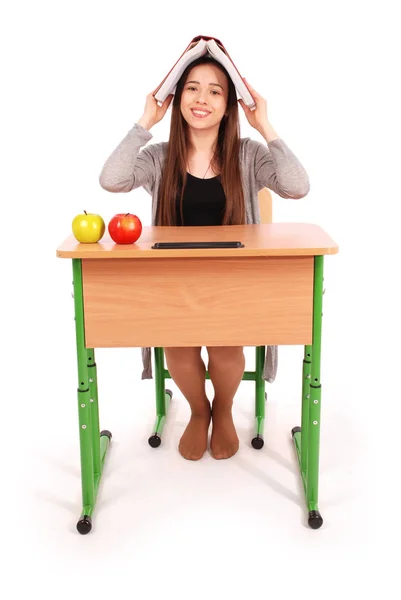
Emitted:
pixel 200 114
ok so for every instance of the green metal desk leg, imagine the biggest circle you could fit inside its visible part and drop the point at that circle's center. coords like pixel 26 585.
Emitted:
pixel 99 450
pixel 300 434
pixel 163 398
pixel 93 448
pixel 307 438
pixel 260 398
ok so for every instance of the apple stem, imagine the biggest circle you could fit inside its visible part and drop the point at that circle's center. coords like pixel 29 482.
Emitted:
pixel 127 214
pixel 85 212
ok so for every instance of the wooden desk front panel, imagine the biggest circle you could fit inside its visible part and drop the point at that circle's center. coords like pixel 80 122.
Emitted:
pixel 198 302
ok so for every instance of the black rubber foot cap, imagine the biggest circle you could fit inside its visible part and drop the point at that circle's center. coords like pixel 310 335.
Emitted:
pixel 84 525
pixel 315 519
pixel 258 442
pixel 295 430
pixel 154 441
pixel 106 432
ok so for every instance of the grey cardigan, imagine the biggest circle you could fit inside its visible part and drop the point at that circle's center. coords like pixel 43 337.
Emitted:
pixel 273 166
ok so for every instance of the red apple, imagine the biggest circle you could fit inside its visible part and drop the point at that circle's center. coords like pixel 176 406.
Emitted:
pixel 125 228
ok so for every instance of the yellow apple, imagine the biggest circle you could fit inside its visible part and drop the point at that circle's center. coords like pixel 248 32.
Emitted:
pixel 88 228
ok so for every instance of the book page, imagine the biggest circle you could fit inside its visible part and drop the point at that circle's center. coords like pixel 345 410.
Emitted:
pixel 218 54
pixel 170 83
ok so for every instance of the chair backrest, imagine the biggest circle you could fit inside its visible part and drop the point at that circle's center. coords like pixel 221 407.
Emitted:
pixel 265 206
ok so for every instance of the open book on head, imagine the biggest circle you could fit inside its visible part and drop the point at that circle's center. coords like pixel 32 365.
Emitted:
pixel 199 46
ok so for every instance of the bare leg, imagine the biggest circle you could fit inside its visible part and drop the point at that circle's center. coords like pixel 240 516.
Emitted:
pixel 226 369
pixel 188 371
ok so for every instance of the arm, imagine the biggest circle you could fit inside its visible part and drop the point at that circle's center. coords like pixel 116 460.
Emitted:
pixel 268 132
pixel 127 168
pixel 277 167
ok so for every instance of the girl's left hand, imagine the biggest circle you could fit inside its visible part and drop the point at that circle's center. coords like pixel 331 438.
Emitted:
pixel 256 118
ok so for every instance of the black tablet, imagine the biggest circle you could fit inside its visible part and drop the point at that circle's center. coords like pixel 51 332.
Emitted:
pixel 198 245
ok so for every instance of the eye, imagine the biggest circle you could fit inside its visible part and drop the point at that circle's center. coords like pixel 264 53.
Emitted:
pixel 191 87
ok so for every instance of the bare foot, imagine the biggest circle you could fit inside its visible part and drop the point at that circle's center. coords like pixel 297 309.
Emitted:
pixel 193 443
pixel 224 442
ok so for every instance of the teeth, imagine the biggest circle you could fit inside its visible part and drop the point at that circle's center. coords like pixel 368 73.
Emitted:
pixel 200 113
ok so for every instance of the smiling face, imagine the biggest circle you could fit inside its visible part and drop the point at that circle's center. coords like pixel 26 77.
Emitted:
pixel 205 90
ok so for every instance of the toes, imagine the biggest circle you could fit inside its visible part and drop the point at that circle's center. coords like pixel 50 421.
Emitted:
pixel 190 455
pixel 222 454
pixel 219 454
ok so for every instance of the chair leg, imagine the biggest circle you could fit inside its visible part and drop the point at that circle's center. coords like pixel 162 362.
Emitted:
pixel 260 398
pixel 163 398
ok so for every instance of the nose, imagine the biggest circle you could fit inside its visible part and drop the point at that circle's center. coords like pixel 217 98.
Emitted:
pixel 202 96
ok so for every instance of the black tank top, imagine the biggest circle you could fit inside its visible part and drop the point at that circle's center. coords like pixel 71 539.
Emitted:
pixel 203 202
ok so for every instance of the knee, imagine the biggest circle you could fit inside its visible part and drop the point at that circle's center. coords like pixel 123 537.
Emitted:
pixel 226 356
pixel 182 356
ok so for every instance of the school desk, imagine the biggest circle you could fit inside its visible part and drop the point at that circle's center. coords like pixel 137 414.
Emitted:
pixel 268 292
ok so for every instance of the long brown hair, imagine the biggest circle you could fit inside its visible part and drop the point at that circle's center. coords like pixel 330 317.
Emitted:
pixel 225 159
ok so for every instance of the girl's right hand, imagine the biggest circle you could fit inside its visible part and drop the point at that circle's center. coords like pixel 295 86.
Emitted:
pixel 154 113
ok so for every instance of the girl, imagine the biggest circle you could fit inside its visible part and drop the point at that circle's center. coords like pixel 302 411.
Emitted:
pixel 205 175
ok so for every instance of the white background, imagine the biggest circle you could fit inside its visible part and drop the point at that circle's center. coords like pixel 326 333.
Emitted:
pixel 74 80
